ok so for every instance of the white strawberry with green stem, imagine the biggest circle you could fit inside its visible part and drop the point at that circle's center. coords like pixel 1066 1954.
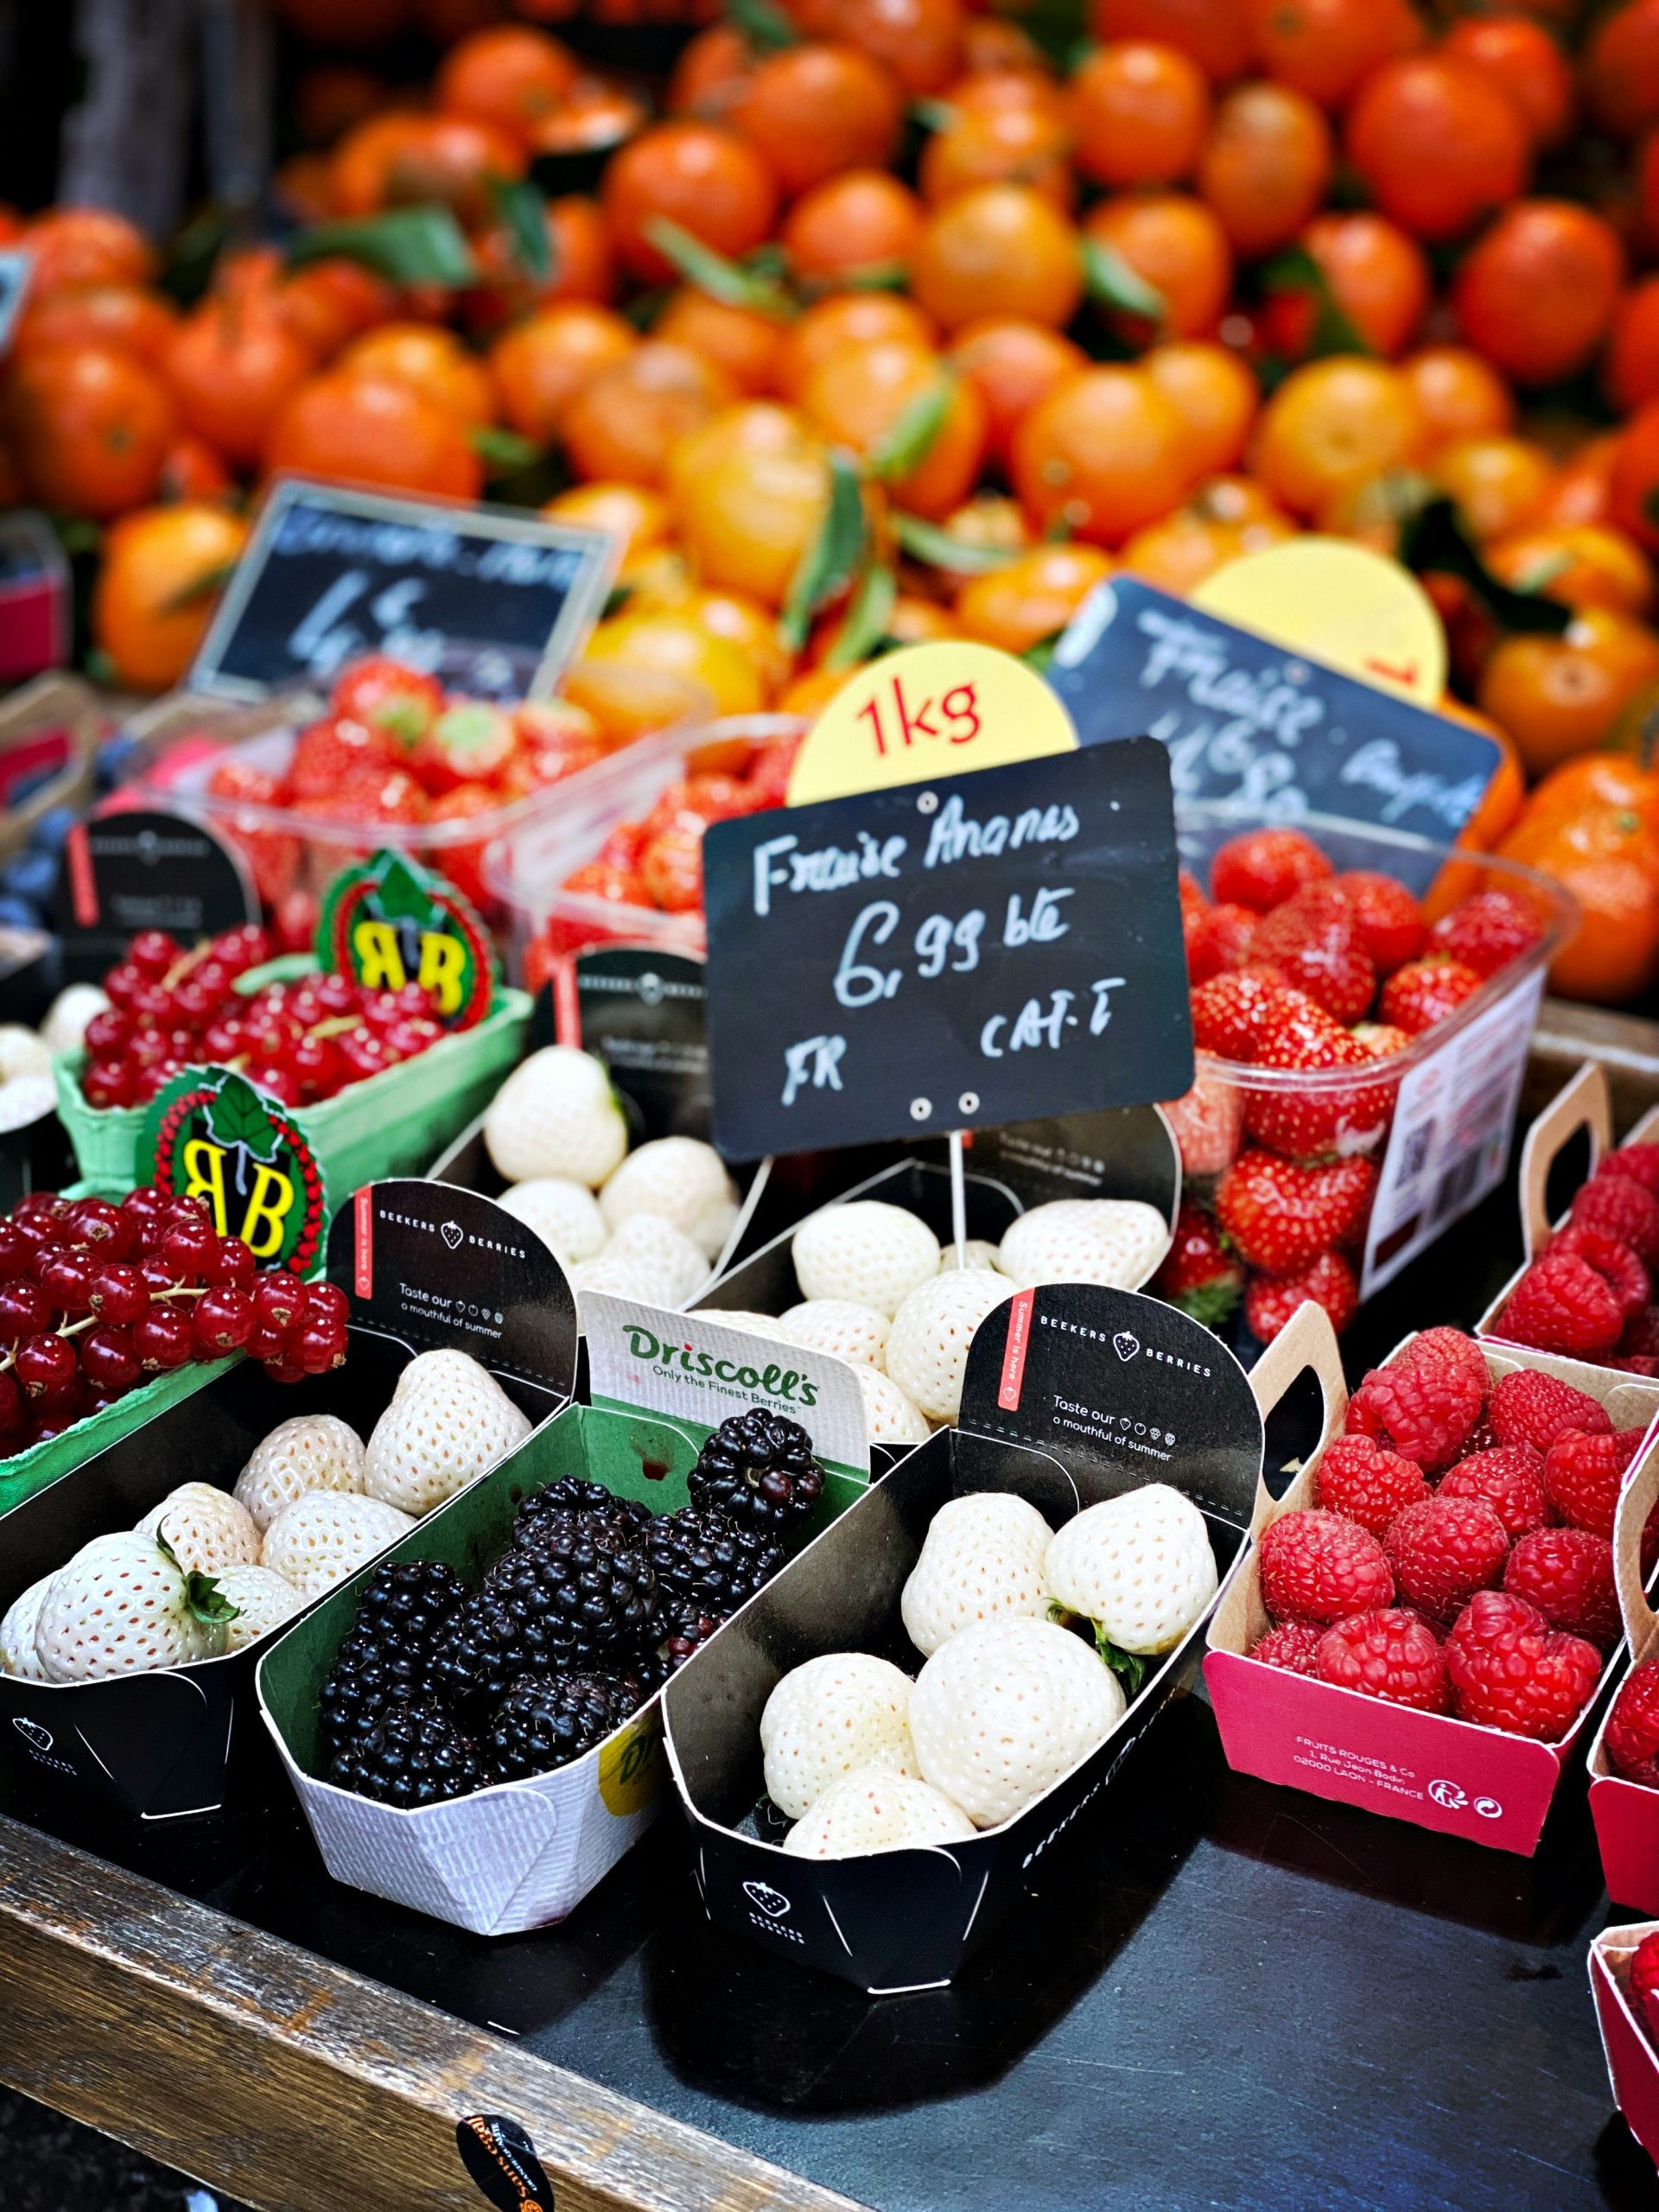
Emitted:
pixel 124 1605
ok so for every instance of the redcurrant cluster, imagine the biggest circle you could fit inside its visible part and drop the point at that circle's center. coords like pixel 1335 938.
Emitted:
pixel 96 1297
pixel 302 1041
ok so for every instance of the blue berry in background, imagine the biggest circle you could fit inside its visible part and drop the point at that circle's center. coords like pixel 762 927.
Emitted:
pixel 115 759
pixel 51 831
pixel 18 914
pixel 30 876
pixel 26 787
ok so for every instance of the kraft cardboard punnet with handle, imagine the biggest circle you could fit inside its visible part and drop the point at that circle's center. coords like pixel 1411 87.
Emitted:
pixel 1074 1394
pixel 1626 1813
pixel 1633 2063
pixel 1428 1768
pixel 519 1854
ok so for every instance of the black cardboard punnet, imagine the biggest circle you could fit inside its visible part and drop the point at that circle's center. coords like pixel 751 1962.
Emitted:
pixel 424 1268
pixel 1074 1393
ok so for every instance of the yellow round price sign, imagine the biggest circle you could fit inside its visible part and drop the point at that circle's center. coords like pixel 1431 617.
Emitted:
pixel 936 709
pixel 1338 603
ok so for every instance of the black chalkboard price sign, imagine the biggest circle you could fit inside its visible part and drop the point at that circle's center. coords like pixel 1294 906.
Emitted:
pixel 14 267
pixel 130 871
pixel 958 954
pixel 493 601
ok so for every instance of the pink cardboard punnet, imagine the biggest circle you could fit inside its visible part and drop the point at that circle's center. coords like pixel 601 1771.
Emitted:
pixel 1633 2063
pixel 1626 1813
pixel 1440 1772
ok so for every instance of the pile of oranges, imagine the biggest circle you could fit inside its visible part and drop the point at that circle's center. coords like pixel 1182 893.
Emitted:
pixel 894 320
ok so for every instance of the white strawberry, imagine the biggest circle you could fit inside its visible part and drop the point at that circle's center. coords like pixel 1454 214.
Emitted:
pixel 25 1099
pixel 564 1214
pixel 448 1420
pixel 829 1716
pixel 18 1653
pixel 865 1251
pixel 121 1606
pixel 614 1275
pixel 889 1417
pixel 977 1253
pixel 1117 1242
pixel 264 1601
pixel 683 1179
pixel 982 1560
pixel 853 1332
pixel 876 1808
pixel 21 1052
pixel 311 1451
pixel 927 1345
pixel 675 1263
pixel 1139 1567
pixel 1004 1709
pixel 753 1325
pixel 204 1528
pixel 64 1028
pixel 556 1114
pixel 320 1539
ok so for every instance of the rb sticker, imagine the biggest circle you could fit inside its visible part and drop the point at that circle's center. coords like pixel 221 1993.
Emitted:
pixel 210 1134
pixel 390 922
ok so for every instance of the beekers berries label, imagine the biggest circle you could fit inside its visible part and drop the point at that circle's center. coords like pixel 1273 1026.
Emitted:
pixel 390 923
pixel 210 1134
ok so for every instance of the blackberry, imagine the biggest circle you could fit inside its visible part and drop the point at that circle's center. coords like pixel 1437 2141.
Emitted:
pixel 577 1605
pixel 407 1601
pixel 705 1563
pixel 758 1469
pixel 544 1722
pixel 482 1649
pixel 681 1635
pixel 368 1677
pixel 415 1755
pixel 561 1503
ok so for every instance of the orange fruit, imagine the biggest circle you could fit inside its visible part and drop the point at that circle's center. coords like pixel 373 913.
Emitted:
pixel 749 495
pixel 710 73
pixel 1331 424
pixel 1630 370
pixel 1581 490
pixel 997 250
pixel 741 342
pixel 1012 364
pixel 429 360
pixel 362 429
pixel 86 245
pixel 1537 290
pixel 858 396
pixel 921 40
pixel 847 318
pixel 1214 394
pixel 1327 48
pixel 328 302
pixel 639 520
pixel 664 642
pixel 1005 127
pixel 510 75
pixel 1139 114
pixel 1460 395
pixel 861 222
pixel 599 116
pixel 1378 277
pixel 745 623
pixel 400 160
pixel 1587 564
pixel 1437 144
pixel 1218 524
pixel 229 365
pixel 625 422
pixel 1621 68
pixel 814 109
pixel 581 265
pixel 1178 247
pixel 1102 455
pixel 708 180
pixel 1559 696
pixel 1498 484
pixel 1525 63
pixel 1213 33
pixel 541 364
pixel 121 318
pixel 193 470
pixel 1034 597
pixel 1266 165
pixel 89 429
pixel 1633 485
pixel 161 571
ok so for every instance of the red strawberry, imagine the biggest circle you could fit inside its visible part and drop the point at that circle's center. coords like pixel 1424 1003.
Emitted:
pixel 1584 1473
pixel 1561 1305
pixel 1379 1040
pixel 1228 1010
pixel 1281 1216
pixel 386 696
pixel 1200 1272
pixel 1263 867
pixel 1293 1645
pixel 1208 1120
pixel 1568 1574
pixel 1307 1121
pixel 1487 930
pixel 330 753
pixel 1425 1403
pixel 463 865
pixel 1618 1207
pixel 1632 1732
pixel 1510 1477
pixel 1426 991
pixel 1317 1566
pixel 1392 1654
pixel 1613 1259
pixel 1387 917
pixel 1637 1163
pixel 1362 1480
pixel 1509 1669
pixel 1219 939
pixel 1531 1407
pixel 1194 904
pixel 1330 1282
pixel 1444 1550
pixel 469 743
pixel 1312 937
pixel 1642 1984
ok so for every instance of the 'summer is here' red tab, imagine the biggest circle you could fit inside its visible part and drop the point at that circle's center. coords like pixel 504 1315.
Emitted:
pixel 1013 1352
pixel 567 1002
pixel 363 1202
pixel 83 885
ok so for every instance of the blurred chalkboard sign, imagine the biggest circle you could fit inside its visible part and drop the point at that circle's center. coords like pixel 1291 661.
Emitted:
pixel 130 871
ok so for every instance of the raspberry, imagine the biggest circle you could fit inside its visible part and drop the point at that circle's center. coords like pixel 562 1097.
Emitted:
pixel 1426 1403
pixel 1584 1473
pixel 1362 1480
pixel 1620 1208
pixel 1293 1645
pixel 1531 1407
pixel 1568 1574
pixel 1509 1669
pixel 1393 1655
pixel 1632 1732
pixel 1613 1261
pixel 1317 1566
pixel 1444 1550
pixel 1510 1477
pixel 1450 1347
pixel 1561 1305
pixel 1642 1984
pixel 1637 1163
